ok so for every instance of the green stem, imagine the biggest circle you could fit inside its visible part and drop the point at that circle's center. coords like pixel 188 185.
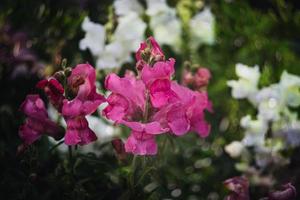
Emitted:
pixel 145 117
pixel 71 163
pixel 55 146
pixel 131 180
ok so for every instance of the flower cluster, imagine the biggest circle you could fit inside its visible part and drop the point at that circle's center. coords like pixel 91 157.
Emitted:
pixel 274 114
pixel 151 103
pixel 113 50
pixel 73 94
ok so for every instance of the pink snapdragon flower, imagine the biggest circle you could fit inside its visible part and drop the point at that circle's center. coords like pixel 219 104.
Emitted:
pixel 142 138
pixel 127 100
pixel 158 82
pixel 81 84
pixel 37 122
pixel 197 81
pixel 186 113
pixel 54 90
pixel 202 77
pixel 151 103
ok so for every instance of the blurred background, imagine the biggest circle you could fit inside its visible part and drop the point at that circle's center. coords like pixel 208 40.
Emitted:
pixel 36 35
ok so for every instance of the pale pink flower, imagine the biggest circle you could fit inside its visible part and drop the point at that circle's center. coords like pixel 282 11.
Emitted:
pixel 142 138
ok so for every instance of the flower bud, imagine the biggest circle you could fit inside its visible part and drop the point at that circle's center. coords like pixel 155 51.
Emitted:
pixel 119 148
pixel 60 76
pixel 68 71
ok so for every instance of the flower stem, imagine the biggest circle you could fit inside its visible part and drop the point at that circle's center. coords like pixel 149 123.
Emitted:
pixel 132 177
pixel 55 146
pixel 71 163
pixel 145 117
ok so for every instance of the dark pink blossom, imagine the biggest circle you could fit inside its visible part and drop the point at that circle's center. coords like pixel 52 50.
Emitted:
pixel 37 122
pixel 81 84
pixel 54 90
pixel 119 148
pixel 78 131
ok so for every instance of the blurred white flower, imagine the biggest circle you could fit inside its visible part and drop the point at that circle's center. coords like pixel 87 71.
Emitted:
pixel 164 23
pixel 246 86
pixel 94 38
pixel 255 131
pixel 130 31
pixel 269 102
pixel 155 7
pixel 123 7
pixel 289 85
pixel 127 37
pixel 202 27
pixel 234 149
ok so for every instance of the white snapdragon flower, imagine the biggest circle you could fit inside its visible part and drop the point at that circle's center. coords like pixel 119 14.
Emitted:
pixel 234 149
pixel 127 37
pixel 202 27
pixel 125 40
pixel 130 31
pixel 164 23
pixel 246 86
pixel 290 89
pixel 94 38
pixel 269 102
pixel 123 7
pixel 255 130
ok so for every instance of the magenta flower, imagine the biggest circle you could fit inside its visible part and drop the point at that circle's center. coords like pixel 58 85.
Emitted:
pixel 78 131
pixel 127 100
pixel 142 138
pixel 37 122
pixel 158 81
pixel 186 112
pixel 54 90
pixel 151 103
pixel 81 84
